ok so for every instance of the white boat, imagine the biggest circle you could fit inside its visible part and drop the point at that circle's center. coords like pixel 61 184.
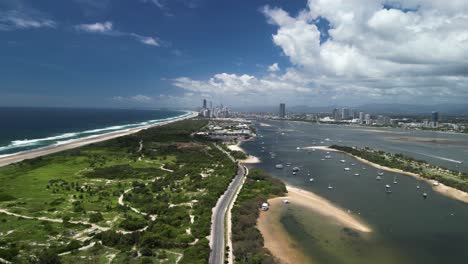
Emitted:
pixel 288 164
pixel 279 166
pixel 328 152
pixel 395 181
pixel 378 178
pixel 342 161
pixel 380 173
pixel 364 168
pixel 387 186
pixel 296 169
pixel 328 157
pixel 356 174
pixel 330 187
pixel 352 164
pixel 346 169
pixel 417 187
pixel 313 149
pixel 425 195
pixel 311 179
pixel 327 139
pixel 294 173
pixel 298 148
pixel 322 159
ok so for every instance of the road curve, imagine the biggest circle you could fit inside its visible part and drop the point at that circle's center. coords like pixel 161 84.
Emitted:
pixel 217 241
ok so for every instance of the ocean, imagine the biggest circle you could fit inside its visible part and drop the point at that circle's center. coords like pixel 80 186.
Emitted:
pixel 406 227
pixel 24 129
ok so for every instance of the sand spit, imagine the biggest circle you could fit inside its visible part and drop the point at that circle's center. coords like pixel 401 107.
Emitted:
pixel 325 148
pixel 80 142
pixel 441 188
pixel 250 160
pixel 280 243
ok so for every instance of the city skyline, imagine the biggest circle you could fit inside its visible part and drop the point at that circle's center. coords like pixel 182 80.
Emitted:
pixel 92 53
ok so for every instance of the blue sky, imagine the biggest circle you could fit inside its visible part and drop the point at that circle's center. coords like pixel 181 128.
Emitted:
pixel 134 53
pixel 196 38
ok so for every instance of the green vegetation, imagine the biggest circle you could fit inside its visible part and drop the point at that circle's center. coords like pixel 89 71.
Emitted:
pixel 456 179
pixel 238 155
pixel 247 239
pixel 141 198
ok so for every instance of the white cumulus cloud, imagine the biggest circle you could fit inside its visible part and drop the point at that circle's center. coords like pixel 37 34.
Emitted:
pixel 274 67
pixel 375 50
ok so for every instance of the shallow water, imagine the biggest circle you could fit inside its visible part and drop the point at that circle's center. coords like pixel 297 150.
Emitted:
pixel 406 227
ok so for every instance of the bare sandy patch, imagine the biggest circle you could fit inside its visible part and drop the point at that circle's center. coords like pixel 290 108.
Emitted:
pixel 250 160
pixel 325 148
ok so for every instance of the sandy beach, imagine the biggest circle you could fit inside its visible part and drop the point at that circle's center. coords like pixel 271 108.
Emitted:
pixel 80 142
pixel 441 188
pixel 250 160
pixel 325 148
pixel 280 243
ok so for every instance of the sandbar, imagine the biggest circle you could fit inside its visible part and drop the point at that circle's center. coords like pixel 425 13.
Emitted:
pixel 280 243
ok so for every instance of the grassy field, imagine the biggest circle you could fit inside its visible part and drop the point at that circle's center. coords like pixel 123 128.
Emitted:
pixel 142 198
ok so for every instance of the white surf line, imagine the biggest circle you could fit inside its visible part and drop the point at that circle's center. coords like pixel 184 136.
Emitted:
pixel 78 142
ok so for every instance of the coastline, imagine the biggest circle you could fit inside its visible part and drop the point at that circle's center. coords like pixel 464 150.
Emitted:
pixel 441 188
pixel 250 159
pixel 14 158
pixel 276 238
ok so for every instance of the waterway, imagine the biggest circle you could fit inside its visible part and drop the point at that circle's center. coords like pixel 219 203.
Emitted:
pixel 406 227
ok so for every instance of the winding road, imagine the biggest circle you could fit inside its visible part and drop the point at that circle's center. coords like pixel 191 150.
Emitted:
pixel 217 241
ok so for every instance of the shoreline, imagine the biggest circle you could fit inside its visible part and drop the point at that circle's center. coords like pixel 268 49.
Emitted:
pixel 250 159
pixel 18 157
pixel 441 188
pixel 276 238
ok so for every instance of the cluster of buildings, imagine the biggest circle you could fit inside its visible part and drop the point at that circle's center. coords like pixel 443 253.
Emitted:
pixel 228 129
pixel 214 112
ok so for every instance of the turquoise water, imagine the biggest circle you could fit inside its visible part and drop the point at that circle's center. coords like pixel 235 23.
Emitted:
pixel 406 227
